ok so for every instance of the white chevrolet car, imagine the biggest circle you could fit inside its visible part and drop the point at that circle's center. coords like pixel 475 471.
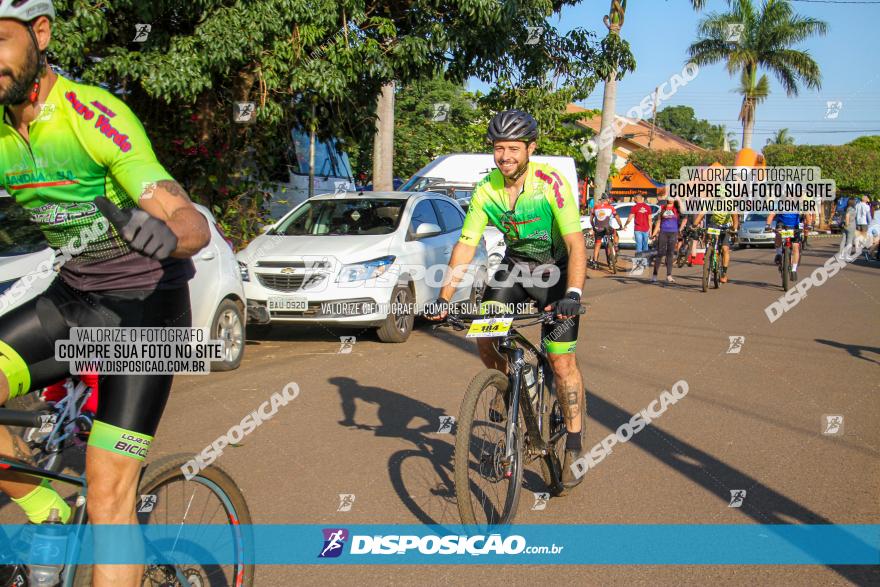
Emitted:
pixel 216 291
pixel 364 259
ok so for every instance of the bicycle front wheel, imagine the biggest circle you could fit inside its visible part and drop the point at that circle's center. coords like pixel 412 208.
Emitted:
pixel 707 266
pixel 211 497
pixel 487 481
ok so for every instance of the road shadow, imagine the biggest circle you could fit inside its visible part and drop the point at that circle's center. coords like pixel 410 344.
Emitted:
pixel 854 350
pixel 421 475
pixel 762 504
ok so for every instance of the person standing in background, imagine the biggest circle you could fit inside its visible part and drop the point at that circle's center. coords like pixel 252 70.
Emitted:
pixel 849 223
pixel 641 212
pixel 863 218
pixel 668 226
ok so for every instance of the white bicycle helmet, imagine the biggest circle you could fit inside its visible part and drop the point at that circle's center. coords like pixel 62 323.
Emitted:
pixel 26 10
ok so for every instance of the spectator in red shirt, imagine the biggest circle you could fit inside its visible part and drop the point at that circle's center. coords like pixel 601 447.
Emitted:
pixel 642 214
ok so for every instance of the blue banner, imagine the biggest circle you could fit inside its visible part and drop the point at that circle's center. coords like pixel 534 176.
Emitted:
pixel 417 544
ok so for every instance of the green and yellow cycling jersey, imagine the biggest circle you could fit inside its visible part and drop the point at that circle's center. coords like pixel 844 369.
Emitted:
pixel 85 143
pixel 721 218
pixel 545 211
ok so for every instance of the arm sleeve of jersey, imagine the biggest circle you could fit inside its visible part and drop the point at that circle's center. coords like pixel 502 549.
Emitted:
pixel 120 144
pixel 567 214
pixel 475 222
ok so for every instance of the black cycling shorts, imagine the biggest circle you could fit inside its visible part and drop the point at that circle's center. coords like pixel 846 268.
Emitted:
pixel 129 406
pixel 601 231
pixel 516 283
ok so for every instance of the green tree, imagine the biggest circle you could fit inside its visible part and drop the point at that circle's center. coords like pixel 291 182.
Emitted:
pixel 620 62
pixel 304 63
pixel 419 138
pixel 766 40
pixel 867 142
pixel 781 138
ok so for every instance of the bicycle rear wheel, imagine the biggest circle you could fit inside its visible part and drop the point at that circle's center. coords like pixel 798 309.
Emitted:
pixel 553 434
pixel 487 486
pixel 786 268
pixel 209 498
pixel 682 255
pixel 611 256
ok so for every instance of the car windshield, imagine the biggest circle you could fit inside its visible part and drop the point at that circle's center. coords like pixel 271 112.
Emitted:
pixel 348 216
pixel 18 235
pixel 420 183
pixel 754 217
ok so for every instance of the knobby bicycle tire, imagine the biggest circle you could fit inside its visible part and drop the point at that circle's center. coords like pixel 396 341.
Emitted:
pixel 461 460
pixel 707 263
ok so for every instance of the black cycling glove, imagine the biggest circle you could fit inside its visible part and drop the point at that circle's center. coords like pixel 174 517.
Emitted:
pixel 144 233
pixel 435 310
pixel 570 305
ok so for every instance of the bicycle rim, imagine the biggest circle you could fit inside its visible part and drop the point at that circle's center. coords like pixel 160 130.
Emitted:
pixel 487 487
pixel 211 497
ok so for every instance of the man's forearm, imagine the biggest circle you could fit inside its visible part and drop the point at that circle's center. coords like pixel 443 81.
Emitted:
pixel 577 266
pixel 192 231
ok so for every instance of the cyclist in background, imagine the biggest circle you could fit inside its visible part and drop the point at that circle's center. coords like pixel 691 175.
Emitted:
pixel 79 162
pixel 600 220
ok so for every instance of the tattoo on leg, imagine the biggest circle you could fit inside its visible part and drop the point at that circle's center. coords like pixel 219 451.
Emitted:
pixel 570 400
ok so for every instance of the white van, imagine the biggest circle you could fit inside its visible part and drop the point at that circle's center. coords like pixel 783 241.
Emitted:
pixel 472 167
pixel 291 188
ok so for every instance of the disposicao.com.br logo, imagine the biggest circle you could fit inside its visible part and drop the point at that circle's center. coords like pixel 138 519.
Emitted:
pixel 334 540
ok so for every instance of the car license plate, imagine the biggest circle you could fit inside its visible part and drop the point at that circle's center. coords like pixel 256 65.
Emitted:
pixel 288 303
pixel 489 327
pixel 786 233
pixel 714 231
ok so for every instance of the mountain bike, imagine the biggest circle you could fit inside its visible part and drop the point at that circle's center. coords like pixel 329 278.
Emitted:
pixel 689 234
pixel 166 498
pixel 712 259
pixel 492 448
pixel 789 236
pixel 610 249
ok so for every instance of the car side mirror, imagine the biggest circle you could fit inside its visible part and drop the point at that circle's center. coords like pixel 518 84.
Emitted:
pixel 427 229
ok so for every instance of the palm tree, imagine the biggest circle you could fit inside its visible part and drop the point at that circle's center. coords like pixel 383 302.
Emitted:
pixel 765 42
pixel 781 138
pixel 614 21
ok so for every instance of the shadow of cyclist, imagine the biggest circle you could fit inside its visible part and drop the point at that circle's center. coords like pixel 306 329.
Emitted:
pixel 421 475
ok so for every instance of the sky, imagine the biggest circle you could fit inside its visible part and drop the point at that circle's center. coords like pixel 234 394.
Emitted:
pixel 659 32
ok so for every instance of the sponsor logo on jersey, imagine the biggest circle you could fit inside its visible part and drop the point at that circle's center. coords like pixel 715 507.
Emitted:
pixel 59 213
pixel 560 201
pixel 103 108
pixel 102 124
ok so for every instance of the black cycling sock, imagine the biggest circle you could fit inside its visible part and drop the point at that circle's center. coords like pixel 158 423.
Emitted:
pixel 573 441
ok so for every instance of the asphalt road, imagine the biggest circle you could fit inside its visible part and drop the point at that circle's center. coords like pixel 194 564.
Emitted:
pixel 365 423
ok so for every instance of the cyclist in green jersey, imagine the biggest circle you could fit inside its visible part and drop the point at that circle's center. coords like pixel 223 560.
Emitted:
pixel 723 222
pixel 79 162
pixel 535 209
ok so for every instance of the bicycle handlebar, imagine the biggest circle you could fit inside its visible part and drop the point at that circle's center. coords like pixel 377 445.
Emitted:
pixel 21 418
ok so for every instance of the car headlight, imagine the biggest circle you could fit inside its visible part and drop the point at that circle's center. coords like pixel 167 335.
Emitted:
pixel 245 274
pixel 366 270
